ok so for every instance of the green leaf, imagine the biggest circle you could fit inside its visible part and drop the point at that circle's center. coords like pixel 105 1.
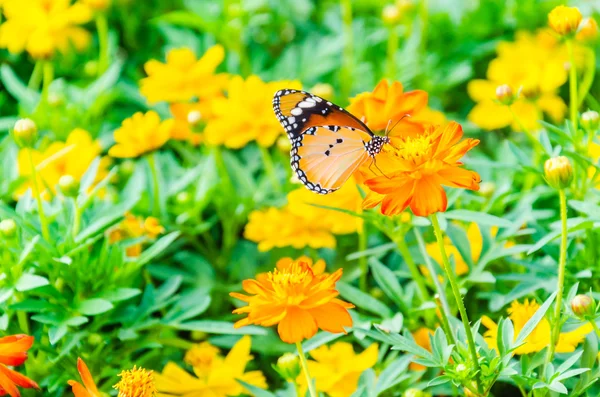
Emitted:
pixel 27 97
pixel 552 235
pixel 255 391
pixel 94 306
pixel 56 333
pixel 364 301
pixel 30 281
pixel 319 340
pixel 387 280
pixel 157 248
pixel 219 327
pixel 533 321
pixel 120 294
pixel 480 218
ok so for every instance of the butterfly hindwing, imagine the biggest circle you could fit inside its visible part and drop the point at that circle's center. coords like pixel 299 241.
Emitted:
pixel 298 111
pixel 324 157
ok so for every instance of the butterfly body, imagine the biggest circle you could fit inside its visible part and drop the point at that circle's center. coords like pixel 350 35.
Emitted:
pixel 328 143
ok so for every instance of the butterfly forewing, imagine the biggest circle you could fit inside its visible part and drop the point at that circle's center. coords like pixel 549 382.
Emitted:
pixel 328 143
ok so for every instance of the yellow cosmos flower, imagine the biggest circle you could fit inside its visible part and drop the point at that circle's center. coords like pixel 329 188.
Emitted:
pixel 533 64
pixel 337 368
pixel 297 296
pixel 141 134
pixel 300 224
pixel 564 20
pixel 184 76
pixel 133 228
pixel 246 114
pixel 136 382
pixel 72 157
pixel 41 27
pixel 520 313
pixel 215 375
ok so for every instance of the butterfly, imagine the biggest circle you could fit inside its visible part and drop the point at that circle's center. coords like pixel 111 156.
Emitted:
pixel 328 143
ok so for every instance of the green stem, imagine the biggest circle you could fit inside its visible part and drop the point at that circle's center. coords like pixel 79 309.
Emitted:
pixel 588 77
pixel 445 308
pixel 459 299
pixel 595 326
pixel 562 264
pixel 270 168
pixel 36 76
pixel 76 219
pixel 414 270
pixel 103 55
pixel 363 244
pixel 38 197
pixel 572 86
pixel 392 46
pixel 48 77
pixel 155 186
pixel 311 386
pixel 424 15
pixel 534 141
pixel 348 52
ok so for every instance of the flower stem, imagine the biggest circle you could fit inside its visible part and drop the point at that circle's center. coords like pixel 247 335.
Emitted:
pixel 595 327
pixel 270 168
pixel 362 261
pixel 102 27
pixel 348 53
pixel 562 264
pixel 48 77
pixel 412 267
pixel 38 197
pixel 311 386
pixel 572 86
pixel 445 312
pixel 76 219
pixel 155 186
pixel 392 46
pixel 36 76
pixel 459 299
pixel 588 77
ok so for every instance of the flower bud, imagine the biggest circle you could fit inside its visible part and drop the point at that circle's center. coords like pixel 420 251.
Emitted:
pixel 583 306
pixel 194 117
pixel 95 339
pixel 8 228
pixel 390 14
pixel 565 20
pixel 487 188
pixel 91 68
pixel 323 90
pixel 126 168
pixel 588 30
pixel 25 132
pixel 68 185
pixel 504 94
pixel 415 393
pixel 558 172
pixel 183 198
pixel 288 366
pixel 153 227
pixel 283 144
pixel 590 120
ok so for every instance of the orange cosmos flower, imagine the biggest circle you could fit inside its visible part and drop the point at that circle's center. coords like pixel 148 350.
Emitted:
pixel 298 297
pixel 416 166
pixel 13 352
pixel 389 104
pixel 88 389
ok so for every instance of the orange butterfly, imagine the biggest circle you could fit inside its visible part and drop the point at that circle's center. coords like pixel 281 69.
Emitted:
pixel 328 143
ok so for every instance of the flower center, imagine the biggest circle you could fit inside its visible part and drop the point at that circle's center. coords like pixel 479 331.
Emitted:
pixel 291 284
pixel 414 149
pixel 202 356
pixel 137 382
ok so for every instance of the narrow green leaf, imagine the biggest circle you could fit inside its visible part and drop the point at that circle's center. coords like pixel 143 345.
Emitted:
pixel 533 321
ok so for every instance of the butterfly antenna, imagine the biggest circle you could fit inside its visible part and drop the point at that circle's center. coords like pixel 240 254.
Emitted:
pixel 395 124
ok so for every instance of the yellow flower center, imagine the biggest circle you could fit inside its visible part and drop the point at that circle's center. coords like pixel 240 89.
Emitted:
pixel 290 283
pixel 136 382
pixel 202 357
pixel 414 149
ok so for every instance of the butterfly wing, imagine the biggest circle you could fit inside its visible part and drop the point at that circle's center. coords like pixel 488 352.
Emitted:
pixel 298 110
pixel 324 157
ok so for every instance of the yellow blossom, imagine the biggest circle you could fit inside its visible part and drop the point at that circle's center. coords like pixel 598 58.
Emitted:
pixel 215 376
pixel 534 65
pixel 41 27
pixel 133 228
pixel 141 134
pixel 246 113
pixel 564 20
pixel 300 224
pixel 337 368
pixel 72 157
pixel 588 30
pixel 136 382
pixel 520 313
pixel 184 76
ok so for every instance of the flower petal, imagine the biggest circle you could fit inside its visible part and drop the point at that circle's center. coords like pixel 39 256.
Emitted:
pixel 297 325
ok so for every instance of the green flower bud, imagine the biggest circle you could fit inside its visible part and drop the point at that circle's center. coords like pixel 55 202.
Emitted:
pixel 8 228
pixel 69 186
pixel 183 198
pixel 391 14
pixel 25 132
pixel 583 306
pixel 590 120
pixel 558 172
pixel 288 366
pixel 95 339
pixel 126 168
pixel 505 94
